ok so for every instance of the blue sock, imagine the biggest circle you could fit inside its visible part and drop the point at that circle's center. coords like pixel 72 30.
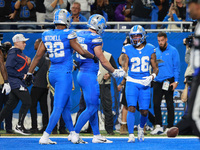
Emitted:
pixel 143 120
pixel 55 116
pixel 68 119
pixel 130 122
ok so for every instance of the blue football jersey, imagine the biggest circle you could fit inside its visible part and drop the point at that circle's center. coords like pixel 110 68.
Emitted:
pixel 88 41
pixel 60 52
pixel 139 60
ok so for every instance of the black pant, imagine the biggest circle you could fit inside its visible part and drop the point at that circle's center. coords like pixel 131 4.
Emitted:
pixel 157 98
pixel 39 94
pixel 194 99
pixel 106 101
pixel 61 121
pixel 14 97
pixel 8 119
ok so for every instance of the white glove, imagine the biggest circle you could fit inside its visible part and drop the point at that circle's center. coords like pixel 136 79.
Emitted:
pixel 6 88
pixel 147 80
pixel 118 73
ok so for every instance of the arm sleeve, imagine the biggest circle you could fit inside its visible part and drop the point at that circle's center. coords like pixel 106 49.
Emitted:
pixel 176 67
pixel 10 66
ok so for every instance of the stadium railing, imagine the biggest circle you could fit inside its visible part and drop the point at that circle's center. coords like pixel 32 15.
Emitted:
pixel 189 25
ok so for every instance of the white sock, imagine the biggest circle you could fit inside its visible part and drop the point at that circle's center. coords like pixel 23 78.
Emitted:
pixel 45 134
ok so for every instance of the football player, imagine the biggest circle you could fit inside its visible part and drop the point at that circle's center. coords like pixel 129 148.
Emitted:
pixel 87 77
pixel 136 60
pixel 59 43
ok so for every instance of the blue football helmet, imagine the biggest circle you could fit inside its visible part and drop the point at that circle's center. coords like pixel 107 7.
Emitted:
pixel 97 23
pixel 137 30
pixel 62 16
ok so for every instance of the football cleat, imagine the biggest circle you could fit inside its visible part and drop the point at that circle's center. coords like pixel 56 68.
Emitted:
pixel 140 134
pixel 100 139
pixel 131 138
pixel 157 131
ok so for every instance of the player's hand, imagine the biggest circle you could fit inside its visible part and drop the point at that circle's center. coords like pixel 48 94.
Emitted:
pixel 6 88
pixel 29 79
pixel 96 60
pixel 147 80
pixel 118 73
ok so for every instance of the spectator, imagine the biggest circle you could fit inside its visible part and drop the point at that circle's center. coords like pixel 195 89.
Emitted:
pixel 172 16
pixel 40 11
pixel 180 4
pixel 3 96
pixel 85 6
pixel 141 11
pixel 166 82
pixel 39 92
pixel 163 6
pixel 17 67
pixel 104 8
pixel 6 13
pixel 104 79
pixel 123 13
pixel 26 12
pixel 77 16
pixel 51 7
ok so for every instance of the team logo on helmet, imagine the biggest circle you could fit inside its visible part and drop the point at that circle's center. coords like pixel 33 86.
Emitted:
pixel 97 23
pixel 62 16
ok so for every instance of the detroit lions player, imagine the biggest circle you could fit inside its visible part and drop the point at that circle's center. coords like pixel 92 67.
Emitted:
pixel 136 59
pixel 87 77
pixel 59 43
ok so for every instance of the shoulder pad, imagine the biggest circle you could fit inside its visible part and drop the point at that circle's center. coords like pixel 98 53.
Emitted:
pixel 72 35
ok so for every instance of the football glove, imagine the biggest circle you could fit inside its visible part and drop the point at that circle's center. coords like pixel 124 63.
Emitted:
pixel 148 79
pixel 118 73
pixel 6 88
pixel 29 79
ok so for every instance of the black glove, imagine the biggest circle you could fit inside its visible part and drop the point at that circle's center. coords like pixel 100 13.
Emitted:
pixel 29 79
pixel 96 60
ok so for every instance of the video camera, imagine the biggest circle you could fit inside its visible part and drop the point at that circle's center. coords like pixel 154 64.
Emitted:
pixel 189 40
pixel 4 47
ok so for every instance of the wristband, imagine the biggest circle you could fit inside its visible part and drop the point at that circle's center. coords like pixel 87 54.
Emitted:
pixel 29 73
pixel 154 75
pixel 5 81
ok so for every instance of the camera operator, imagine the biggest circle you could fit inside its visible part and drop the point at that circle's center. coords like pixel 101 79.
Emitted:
pixel 188 42
pixel 3 97
pixel 184 125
